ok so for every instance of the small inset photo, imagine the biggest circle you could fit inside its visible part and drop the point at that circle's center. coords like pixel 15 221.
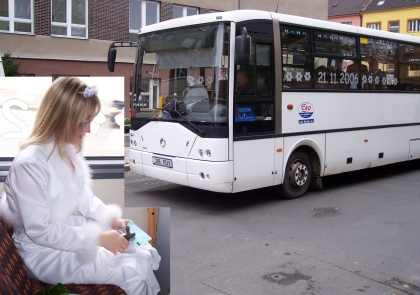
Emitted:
pixel 151 229
pixel 62 193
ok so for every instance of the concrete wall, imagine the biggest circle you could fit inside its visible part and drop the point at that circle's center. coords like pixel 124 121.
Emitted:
pixel 47 47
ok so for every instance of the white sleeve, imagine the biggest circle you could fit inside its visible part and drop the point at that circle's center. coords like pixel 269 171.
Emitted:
pixel 94 208
pixel 90 205
pixel 29 188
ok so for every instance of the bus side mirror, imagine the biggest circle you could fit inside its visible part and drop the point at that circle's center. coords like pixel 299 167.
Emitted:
pixel 112 55
pixel 242 48
pixel 112 52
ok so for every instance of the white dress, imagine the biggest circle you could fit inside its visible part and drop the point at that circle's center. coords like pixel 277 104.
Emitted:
pixel 57 221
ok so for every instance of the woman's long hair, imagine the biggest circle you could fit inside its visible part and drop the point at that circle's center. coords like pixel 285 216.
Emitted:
pixel 62 112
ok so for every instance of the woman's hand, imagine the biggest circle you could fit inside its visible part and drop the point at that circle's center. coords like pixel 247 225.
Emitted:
pixel 118 223
pixel 113 241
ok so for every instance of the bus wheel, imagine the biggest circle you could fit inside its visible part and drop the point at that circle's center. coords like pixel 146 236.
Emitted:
pixel 297 177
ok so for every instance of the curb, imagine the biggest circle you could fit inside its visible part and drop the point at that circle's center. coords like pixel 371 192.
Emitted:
pixel 126 140
pixel 126 148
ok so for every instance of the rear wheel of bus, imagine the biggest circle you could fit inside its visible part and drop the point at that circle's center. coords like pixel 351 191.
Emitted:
pixel 297 176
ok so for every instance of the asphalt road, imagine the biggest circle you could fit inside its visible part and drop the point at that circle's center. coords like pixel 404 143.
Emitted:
pixel 359 235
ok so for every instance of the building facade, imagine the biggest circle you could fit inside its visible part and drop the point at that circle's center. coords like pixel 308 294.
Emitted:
pixel 346 12
pixel 399 16
pixel 72 37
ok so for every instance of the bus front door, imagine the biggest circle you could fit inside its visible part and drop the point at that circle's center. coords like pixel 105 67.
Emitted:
pixel 253 164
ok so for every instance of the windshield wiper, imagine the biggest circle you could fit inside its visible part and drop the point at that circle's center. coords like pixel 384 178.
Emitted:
pixel 203 132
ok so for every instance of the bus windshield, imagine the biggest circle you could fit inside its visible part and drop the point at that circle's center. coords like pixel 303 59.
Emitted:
pixel 181 75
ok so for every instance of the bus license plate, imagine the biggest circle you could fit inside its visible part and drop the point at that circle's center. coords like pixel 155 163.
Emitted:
pixel 162 162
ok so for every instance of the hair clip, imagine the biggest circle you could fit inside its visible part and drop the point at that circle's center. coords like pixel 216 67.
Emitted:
pixel 89 91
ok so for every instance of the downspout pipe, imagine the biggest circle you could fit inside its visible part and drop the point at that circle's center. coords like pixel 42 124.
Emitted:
pixel 240 5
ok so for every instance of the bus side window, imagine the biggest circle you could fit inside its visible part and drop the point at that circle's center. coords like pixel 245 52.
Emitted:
pixel 334 53
pixel 296 52
pixel 245 85
pixel 409 69
pixel 353 67
pixel 410 77
pixel 378 62
pixel 263 69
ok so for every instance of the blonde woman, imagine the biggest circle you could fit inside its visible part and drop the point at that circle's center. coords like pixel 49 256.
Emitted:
pixel 48 182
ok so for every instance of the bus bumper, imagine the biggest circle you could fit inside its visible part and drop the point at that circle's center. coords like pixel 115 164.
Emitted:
pixel 206 175
pixel 136 163
pixel 212 176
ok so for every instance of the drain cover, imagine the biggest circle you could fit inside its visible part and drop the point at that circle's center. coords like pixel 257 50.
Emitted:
pixel 277 277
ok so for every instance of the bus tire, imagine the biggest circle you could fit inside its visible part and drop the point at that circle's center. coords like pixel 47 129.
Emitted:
pixel 297 176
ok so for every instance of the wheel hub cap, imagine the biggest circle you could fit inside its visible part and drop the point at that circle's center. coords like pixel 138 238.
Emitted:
pixel 298 175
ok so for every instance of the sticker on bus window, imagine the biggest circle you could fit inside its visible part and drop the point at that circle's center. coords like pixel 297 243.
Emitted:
pixel 244 114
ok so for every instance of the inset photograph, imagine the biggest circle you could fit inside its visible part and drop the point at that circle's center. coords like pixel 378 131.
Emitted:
pixel 62 211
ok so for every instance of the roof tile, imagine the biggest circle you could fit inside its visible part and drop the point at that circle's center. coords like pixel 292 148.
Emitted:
pixel 344 7
pixel 391 4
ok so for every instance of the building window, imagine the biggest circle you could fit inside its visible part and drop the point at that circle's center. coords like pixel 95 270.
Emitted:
pixel 181 11
pixel 69 18
pixel 394 26
pixel 16 16
pixel 347 23
pixel 414 25
pixel 375 26
pixel 142 13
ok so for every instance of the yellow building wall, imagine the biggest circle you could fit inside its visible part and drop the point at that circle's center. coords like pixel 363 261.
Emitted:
pixel 384 17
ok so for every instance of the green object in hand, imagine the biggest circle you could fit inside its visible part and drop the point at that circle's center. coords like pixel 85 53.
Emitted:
pixel 58 289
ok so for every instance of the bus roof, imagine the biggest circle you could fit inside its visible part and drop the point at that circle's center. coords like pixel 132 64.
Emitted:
pixel 246 15
pixel 333 26
pixel 227 16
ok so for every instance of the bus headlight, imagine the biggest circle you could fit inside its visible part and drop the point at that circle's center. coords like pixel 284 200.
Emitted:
pixel 208 153
pixel 200 152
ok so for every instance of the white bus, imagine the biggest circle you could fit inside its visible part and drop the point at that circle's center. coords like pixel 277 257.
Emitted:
pixel 322 98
